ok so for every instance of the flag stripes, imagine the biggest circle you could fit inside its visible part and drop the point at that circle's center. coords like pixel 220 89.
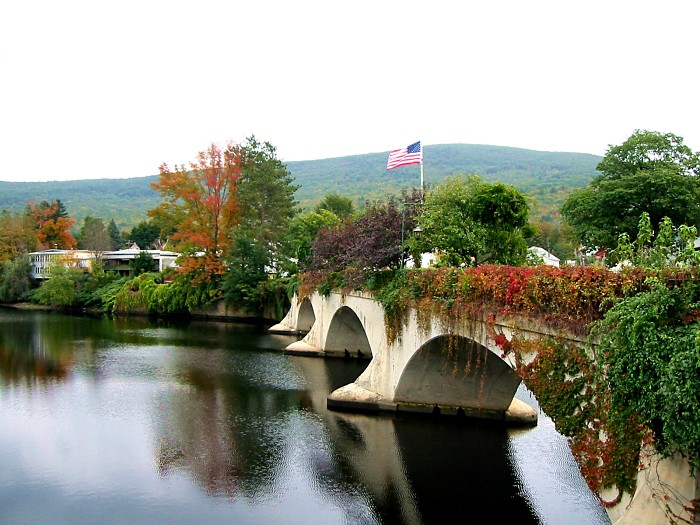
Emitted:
pixel 403 157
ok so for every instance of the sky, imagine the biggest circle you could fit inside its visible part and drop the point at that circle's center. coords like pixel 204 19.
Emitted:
pixel 92 89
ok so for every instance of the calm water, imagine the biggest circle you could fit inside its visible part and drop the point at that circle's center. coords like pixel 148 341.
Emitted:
pixel 136 421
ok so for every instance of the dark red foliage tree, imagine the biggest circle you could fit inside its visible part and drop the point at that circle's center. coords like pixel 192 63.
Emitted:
pixel 372 241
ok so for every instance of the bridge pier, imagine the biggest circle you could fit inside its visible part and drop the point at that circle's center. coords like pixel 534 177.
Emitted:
pixel 355 398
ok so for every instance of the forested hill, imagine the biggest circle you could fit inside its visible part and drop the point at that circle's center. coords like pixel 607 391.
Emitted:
pixel 546 176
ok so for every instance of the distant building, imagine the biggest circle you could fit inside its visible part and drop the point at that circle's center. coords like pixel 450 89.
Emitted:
pixel 547 258
pixel 43 261
pixel 117 261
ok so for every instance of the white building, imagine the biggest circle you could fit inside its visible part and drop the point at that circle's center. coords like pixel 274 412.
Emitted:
pixel 43 261
pixel 547 258
pixel 117 261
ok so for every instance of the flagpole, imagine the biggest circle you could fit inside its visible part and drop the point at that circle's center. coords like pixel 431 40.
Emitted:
pixel 421 173
pixel 421 176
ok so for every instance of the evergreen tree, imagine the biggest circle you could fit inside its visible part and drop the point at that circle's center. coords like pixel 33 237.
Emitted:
pixel 266 207
pixel 114 234
pixel 144 234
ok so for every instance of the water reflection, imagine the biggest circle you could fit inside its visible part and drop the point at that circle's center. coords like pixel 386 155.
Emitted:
pixel 423 469
pixel 29 356
pixel 211 423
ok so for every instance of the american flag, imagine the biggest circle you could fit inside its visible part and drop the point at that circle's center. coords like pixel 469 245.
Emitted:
pixel 403 157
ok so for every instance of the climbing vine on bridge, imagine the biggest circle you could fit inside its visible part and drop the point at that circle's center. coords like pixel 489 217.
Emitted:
pixel 650 351
pixel 569 297
pixel 638 382
pixel 570 386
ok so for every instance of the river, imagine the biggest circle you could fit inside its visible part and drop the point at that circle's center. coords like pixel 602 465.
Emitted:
pixel 136 421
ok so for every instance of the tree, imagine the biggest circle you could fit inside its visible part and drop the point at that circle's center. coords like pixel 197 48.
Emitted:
pixel 339 205
pixel 650 172
pixel 648 151
pixel 471 222
pixel 201 205
pixel 266 205
pixel 52 224
pixel 145 234
pixel 17 235
pixel 114 234
pixel 94 236
pixel 60 289
pixel 142 263
pixel 303 230
pixel 265 195
pixel 15 280
pixel 555 237
pixel 247 269
pixel 371 241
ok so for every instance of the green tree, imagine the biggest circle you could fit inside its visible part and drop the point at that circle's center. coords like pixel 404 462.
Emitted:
pixel 647 151
pixel 247 270
pixel 114 234
pixel 555 237
pixel 15 280
pixel 142 263
pixel 340 205
pixel 59 290
pixel 94 236
pixel 265 194
pixel 471 222
pixel 303 230
pixel 650 172
pixel 266 205
pixel 145 234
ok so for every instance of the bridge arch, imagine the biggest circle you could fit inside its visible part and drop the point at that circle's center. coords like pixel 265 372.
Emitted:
pixel 346 333
pixel 306 317
pixel 456 371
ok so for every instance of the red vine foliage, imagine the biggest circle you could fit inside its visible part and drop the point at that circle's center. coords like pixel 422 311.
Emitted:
pixel 568 381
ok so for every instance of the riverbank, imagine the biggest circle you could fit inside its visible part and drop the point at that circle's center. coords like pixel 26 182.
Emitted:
pixel 219 311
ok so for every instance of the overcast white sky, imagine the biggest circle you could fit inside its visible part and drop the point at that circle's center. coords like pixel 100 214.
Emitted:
pixel 94 89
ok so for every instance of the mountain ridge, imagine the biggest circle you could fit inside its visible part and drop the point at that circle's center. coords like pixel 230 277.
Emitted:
pixel 547 177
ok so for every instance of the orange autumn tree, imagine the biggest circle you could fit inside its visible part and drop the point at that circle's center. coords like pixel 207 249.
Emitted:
pixel 52 224
pixel 201 207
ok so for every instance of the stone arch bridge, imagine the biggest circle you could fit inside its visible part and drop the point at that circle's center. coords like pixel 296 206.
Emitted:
pixel 426 367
